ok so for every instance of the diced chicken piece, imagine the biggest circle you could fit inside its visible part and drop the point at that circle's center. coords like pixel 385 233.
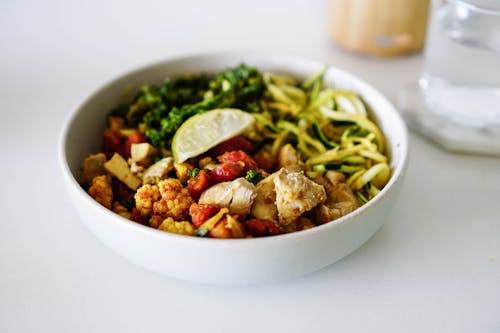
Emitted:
pixel 93 166
pixel 118 167
pixel 136 169
pixel 289 158
pixel 158 171
pixel 237 195
pixel 322 180
pixel 341 192
pixel 336 192
pixel 299 224
pixel 340 200
pixel 335 176
pixel 346 207
pixel 142 153
pixel 295 194
pixel 264 206
pixel 323 214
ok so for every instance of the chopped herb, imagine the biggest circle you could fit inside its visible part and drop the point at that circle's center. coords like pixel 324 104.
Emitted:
pixel 192 173
pixel 254 177
pixel 162 109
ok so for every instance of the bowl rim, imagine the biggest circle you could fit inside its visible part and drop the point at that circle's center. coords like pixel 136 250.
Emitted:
pixel 74 185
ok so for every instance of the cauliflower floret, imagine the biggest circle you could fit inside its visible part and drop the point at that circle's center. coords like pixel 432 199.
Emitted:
pixel 166 199
pixel 155 221
pixel 169 188
pixel 181 228
pixel 101 191
pixel 175 200
pixel 145 197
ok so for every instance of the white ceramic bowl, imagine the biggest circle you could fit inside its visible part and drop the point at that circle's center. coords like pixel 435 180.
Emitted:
pixel 234 261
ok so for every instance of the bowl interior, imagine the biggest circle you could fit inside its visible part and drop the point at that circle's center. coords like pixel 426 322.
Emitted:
pixel 83 131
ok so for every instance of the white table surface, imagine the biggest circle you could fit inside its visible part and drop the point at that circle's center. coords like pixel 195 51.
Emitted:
pixel 433 267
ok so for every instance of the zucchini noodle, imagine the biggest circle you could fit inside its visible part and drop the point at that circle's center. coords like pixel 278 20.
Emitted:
pixel 330 128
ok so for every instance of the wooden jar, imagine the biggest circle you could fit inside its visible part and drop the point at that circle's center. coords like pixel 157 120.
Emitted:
pixel 379 27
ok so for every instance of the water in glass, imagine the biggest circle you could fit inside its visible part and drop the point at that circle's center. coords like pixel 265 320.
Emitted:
pixel 461 77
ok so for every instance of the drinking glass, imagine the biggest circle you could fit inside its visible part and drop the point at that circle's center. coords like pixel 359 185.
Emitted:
pixel 457 99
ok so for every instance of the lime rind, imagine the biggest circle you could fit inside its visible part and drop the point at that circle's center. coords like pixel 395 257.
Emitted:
pixel 204 131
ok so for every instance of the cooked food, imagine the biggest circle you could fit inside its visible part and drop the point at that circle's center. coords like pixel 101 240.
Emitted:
pixel 295 195
pixel 243 153
pixel 237 195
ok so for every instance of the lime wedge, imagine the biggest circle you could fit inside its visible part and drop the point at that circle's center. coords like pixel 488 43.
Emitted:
pixel 204 131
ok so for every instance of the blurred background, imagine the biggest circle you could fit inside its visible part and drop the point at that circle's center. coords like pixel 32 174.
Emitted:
pixel 433 267
pixel 92 41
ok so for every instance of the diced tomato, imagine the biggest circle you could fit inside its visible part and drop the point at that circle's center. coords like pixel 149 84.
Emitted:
pixel 198 184
pixel 226 172
pixel 135 137
pixel 259 228
pixel 238 156
pixel 113 142
pixel 264 162
pixel 135 215
pixel 200 213
pixel 236 143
